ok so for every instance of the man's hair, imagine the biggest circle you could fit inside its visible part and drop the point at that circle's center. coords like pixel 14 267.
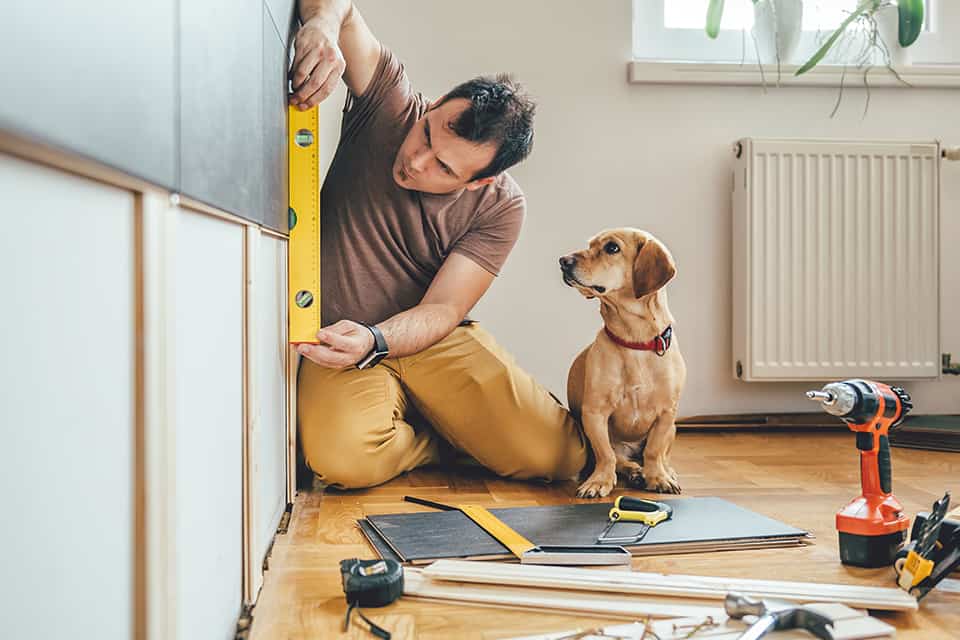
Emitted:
pixel 500 113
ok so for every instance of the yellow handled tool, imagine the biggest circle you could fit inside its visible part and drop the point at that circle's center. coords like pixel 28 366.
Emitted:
pixel 629 509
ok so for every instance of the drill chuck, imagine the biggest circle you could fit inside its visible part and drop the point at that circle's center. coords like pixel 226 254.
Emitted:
pixel 837 398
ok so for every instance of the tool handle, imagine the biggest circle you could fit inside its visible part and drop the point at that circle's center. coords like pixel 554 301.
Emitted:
pixel 876 472
pixel 627 503
pixel 883 465
pixel 763 626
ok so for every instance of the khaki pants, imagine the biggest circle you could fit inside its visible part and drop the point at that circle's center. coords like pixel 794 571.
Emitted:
pixel 362 428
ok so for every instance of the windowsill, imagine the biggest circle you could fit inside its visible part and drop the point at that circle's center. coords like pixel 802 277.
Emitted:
pixel 736 74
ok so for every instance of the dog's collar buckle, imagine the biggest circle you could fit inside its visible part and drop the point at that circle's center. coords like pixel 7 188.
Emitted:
pixel 658 345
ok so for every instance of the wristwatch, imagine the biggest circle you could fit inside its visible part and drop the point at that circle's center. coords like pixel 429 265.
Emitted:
pixel 379 351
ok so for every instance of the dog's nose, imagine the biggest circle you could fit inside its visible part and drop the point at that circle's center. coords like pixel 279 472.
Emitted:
pixel 567 262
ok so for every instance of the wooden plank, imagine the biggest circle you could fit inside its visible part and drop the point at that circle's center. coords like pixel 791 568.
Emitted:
pixel 883 598
pixel 252 573
pixel 418 585
pixel 157 242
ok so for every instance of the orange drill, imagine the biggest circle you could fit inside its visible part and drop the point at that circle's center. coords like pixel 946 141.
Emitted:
pixel 873 526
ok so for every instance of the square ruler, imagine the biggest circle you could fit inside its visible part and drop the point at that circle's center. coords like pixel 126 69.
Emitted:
pixel 303 220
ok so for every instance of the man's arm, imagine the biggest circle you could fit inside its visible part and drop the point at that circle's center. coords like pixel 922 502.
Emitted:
pixel 454 291
pixel 334 41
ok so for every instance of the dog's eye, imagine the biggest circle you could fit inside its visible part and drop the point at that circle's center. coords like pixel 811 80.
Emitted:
pixel 611 248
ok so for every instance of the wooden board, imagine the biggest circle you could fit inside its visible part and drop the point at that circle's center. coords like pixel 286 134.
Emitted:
pixel 698 524
pixel 707 587
pixel 418 585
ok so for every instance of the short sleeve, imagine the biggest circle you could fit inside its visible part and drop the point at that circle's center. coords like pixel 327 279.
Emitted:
pixel 387 98
pixel 489 241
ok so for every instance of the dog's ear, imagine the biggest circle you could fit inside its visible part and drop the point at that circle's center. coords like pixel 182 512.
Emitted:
pixel 652 268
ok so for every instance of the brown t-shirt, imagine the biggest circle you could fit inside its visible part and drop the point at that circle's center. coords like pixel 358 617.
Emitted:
pixel 382 244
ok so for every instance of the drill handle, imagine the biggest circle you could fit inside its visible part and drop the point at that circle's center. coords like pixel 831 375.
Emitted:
pixel 875 466
pixel 884 467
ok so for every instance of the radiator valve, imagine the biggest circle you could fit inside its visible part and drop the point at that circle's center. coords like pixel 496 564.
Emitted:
pixel 949 367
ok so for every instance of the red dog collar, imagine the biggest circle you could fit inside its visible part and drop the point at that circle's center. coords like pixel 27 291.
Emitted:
pixel 658 345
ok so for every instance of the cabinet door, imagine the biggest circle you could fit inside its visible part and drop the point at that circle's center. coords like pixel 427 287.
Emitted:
pixel 208 368
pixel 67 405
pixel 269 437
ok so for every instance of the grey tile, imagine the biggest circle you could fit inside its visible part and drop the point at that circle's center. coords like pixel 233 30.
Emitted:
pixel 275 200
pixel 284 16
pixel 221 104
pixel 95 78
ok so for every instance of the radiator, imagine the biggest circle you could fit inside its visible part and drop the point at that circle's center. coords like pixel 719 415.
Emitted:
pixel 835 260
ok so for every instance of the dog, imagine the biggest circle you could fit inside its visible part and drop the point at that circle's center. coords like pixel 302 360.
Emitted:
pixel 625 387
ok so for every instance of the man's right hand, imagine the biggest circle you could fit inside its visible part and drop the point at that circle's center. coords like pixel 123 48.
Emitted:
pixel 318 63
pixel 334 41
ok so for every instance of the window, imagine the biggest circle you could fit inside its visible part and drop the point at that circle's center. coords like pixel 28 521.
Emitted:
pixel 670 30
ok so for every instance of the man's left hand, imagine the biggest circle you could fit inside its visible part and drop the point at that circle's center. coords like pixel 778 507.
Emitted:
pixel 341 345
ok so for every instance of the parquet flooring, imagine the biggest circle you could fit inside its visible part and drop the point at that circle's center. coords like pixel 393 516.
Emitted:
pixel 801 478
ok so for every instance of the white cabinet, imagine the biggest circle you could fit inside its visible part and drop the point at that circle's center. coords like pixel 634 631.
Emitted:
pixel 208 264
pixel 67 405
pixel 143 409
pixel 269 423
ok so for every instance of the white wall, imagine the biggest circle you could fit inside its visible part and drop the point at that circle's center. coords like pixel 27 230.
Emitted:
pixel 609 154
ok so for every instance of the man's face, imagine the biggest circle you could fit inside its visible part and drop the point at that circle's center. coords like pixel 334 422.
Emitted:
pixel 434 159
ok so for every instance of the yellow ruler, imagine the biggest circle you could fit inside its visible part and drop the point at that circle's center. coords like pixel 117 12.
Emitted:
pixel 497 528
pixel 303 257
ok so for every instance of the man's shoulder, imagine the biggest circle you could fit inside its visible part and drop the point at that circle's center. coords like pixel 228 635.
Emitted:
pixel 503 194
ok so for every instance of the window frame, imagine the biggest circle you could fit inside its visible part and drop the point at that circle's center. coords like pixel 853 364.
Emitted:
pixel 662 44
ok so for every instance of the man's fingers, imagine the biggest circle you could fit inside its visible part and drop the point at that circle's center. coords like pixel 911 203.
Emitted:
pixel 335 340
pixel 312 84
pixel 303 68
pixel 329 86
pixel 324 356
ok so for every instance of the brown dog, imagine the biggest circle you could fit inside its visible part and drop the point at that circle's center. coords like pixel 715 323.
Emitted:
pixel 625 387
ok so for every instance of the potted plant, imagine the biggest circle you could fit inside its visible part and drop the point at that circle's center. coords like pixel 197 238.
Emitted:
pixel 871 17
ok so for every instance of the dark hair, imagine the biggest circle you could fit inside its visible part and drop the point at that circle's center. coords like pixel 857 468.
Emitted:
pixel 501 113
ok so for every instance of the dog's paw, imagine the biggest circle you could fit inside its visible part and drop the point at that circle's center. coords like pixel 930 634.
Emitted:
pixel 662 483
pixel 597 485
pixel 635 478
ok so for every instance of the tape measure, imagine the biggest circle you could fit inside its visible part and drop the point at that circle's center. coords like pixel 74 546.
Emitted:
pixel 370 583
pixel 303 257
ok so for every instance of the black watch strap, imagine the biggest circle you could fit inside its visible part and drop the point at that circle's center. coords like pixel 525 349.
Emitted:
pixel 379 351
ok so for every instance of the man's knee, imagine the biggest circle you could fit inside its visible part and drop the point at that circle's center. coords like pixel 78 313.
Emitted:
pixel 339 457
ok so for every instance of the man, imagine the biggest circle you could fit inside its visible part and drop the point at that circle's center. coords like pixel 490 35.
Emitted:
pixel 418 217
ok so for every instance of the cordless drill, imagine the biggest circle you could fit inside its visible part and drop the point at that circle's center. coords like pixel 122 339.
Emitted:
pixel 873 526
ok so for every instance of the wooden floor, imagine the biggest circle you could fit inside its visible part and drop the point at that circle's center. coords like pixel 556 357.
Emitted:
pixel 801 478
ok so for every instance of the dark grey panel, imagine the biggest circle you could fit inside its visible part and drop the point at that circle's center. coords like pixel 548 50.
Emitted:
pixel 95 78
pixel 283 13
pixel 275 198
pixel 221 103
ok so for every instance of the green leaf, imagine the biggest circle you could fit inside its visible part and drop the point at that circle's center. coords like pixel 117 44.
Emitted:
pixel 911 21
pixel 864 7
pixel 714 15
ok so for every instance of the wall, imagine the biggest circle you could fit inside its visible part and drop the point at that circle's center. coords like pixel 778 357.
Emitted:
pixel 609 154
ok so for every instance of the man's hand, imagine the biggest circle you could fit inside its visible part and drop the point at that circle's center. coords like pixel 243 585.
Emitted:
pixel 341 345
pixel 334 41
pixel 318 63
